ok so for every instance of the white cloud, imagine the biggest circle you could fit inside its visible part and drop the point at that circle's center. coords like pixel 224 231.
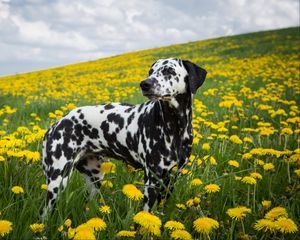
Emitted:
pixel 42 33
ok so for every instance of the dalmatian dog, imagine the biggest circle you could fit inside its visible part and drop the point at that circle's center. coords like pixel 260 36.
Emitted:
pixel 154 136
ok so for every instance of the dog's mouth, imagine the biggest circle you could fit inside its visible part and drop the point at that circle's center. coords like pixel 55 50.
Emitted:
pixel 157 97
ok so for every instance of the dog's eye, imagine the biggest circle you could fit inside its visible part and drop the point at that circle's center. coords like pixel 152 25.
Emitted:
pixel 168 71
pixel 150 72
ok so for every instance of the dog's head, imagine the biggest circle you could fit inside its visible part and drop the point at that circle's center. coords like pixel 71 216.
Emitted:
pixel 170 77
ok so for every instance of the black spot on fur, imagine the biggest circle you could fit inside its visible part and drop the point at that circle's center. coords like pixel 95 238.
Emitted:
pixel 109 106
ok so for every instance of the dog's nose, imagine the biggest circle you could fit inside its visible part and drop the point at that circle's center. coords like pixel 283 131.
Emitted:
pixel 146 84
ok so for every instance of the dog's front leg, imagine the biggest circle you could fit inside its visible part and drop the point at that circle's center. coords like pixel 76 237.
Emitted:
pixel 151 190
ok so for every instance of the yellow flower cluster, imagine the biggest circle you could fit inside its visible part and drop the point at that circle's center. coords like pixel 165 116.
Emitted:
pixel 276 220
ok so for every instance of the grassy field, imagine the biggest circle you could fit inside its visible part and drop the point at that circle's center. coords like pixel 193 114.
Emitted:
pixel 244 172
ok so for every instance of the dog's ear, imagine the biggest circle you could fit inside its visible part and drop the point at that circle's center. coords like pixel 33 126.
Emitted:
pixel 196 75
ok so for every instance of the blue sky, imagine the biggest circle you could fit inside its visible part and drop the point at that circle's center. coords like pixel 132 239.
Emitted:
pixel 37 34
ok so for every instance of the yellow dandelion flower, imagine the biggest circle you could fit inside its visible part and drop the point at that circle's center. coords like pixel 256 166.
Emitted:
pixel 17 189
pixel 174 225
pixel 212 161
pixel 108 167
pixel 205 225
pixel 190 202
pixel 37 227
pixel 233 163
pixel 247 139
pixel 2 158
pixel 235 139
pixel 212 188
pixel 132 192
pixel 181 206
pixel 5 227
pixel 286 131
pixel 265 225
pixel 105 209
pixel 44 187
pixel 238 213
pixel 84 232
pixel 68 222
pixel 181 235
pixel 150 223
pixel 266 204
pixel 247 155
pixel 259 162
pixel 297 171
pixel 96 223
pixel 286 225
pixel 276 212
pixel 107 184
pixel 124 233
pixel 256 175
pixel 71 232
pixel 249 180
pixel 268 166
pixel 196 182
pixel 205 147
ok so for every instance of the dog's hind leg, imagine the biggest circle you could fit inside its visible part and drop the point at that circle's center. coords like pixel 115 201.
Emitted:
pixel 57 177
pixel 89 167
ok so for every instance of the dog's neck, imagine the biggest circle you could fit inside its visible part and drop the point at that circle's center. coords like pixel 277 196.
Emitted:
pixel 177 113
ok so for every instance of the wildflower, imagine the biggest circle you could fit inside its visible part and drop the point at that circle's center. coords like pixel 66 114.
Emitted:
pixel 181 235
pixel 181 206
pixel 266 204
pixel 105 209
pixel 5 227
pixel 96 223
pixel 1 158
pixel 44 187
pixel 205 147
pixel 150 223
pixel 238 213
pixel 125 233
pixel 286 225
pixel 174 225
pixel 297 171
pixel 37 227
pixel 212 188
pixel 259 162
pixel 256 175
pixel 233 163
pixel 265 224
pixel 247 139
pixel 268 166
pixel 107 183
pixel 17 189
pixel 108 167
pixel 237 178
pixel 84 232
pixel 196 182
pixel 132 192
pixel 71 232
pixel 205 225
pixel 248 180
pixel 247 155
pixel 276 212
pixel 286 131
pixel 212 161
pixel 235 139
pixel 68 222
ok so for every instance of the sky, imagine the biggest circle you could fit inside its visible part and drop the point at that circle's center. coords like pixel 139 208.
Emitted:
pixel 38 34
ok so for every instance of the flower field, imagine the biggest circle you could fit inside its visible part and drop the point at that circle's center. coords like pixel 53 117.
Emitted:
pixel 242 180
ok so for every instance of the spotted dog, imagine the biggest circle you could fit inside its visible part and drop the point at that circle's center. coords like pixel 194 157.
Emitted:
pixel 154 136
